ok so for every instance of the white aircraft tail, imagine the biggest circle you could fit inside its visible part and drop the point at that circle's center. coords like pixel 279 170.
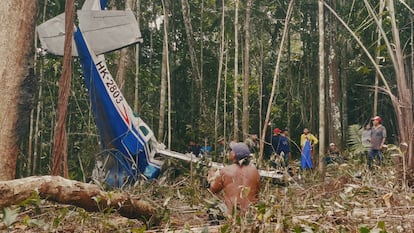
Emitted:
pixel 109 30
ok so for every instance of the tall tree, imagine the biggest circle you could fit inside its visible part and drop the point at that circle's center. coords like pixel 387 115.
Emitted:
pixel 321 86
pixel 236 73
pixel 403 104
pixel 191 46
pixel 334 113
pixel 377 56
pixel 16 36
pixel 246 71
pixel 164 71
pixel 60 153
pixel 275 78
pixel 138 16
pixel 220 71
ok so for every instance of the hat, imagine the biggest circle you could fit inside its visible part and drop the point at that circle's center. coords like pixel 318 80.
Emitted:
pixel 376 118
pixel 277 130
pixel 332 144
pixel 240 149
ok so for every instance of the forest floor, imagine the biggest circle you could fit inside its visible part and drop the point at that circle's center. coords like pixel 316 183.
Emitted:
pixel 349 199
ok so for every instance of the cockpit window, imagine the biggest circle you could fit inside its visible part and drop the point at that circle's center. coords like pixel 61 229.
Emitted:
pixel 144 130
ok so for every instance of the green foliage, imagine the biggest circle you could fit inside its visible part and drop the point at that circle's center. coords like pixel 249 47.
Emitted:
pixel 354 141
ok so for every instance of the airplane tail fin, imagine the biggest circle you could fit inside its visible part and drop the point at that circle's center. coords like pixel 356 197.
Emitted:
pixel 109 30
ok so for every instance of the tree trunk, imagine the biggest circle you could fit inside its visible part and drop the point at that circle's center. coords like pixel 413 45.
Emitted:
pixel 220 71
pixel 164 71
pixel 246 71
pixel 226 59
pixel 377 55
pixel 123 58
pixel 321 88
pixel 136 89
pixel 275 80
pixel 60 154
pixel 404 106
pixel 16 33
pixel 64 191
pixel 191 47
pixel 236 73
pixel 335 127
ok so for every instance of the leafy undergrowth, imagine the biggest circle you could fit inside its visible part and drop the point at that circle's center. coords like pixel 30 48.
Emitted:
pixel 350 199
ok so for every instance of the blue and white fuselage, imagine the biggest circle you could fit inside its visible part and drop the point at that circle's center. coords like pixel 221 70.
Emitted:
pixel 121 131
pixel 129 144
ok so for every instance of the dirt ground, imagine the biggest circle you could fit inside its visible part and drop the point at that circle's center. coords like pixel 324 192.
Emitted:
pixel 349 199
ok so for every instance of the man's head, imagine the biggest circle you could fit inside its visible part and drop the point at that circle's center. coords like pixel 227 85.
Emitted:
pixel 305 130
pixel 332 145
pixel 376 120
pixel 285 131
pixel 239 151
pixel 277 131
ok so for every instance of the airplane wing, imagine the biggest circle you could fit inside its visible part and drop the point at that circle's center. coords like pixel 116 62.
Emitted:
pixel 275 174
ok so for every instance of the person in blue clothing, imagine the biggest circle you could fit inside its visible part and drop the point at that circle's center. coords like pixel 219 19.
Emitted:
pixel 194 148
pixel 284 147
pixel 276 139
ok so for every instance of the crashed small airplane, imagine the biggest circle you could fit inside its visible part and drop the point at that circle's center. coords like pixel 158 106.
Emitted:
pixel 130 147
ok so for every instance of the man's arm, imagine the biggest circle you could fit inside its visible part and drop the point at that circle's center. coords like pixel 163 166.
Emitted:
pixel 314 140
pixel 384 137
pixel 216 181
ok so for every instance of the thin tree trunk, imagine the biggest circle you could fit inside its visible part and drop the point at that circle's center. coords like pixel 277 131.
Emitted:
pixel 166 12
pixel 246 71
pixel 60 154
pixel 236 73
pixel 221 55
pixel 275 79
pixel 226 49
pixel 201 45
pixel 260 90
pixel 377 55
pixel 412 54
pixel 321 88
pixel 136 89
pixel 191 47
pixel 16 29
pixel 164 71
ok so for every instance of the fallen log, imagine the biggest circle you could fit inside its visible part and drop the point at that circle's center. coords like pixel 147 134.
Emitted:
pixel 87 196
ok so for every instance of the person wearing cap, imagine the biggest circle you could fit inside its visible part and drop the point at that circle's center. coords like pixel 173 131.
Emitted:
pixel 221 147
pixel 276 139
pixel 334 155
pixel 378 137
pixel 240 180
